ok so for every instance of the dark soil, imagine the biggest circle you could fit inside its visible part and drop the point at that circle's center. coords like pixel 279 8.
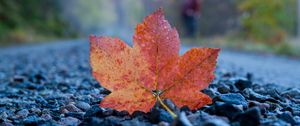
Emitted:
pixel 52 85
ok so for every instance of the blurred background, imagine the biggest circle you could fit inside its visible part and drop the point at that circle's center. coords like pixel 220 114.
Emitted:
pixel 270 26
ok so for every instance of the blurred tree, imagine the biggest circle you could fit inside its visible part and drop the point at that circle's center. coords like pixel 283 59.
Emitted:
pixel 31 20
pixel 103 17
pixel 298 22
pixel 219 17
pixel 89 16
pixel 268 20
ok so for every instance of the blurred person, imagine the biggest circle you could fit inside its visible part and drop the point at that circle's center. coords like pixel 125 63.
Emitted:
pixel 190 14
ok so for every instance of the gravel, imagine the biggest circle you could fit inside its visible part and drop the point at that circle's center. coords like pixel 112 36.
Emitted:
pixel 52 85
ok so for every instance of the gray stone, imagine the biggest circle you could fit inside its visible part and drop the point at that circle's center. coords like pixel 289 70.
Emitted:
pixel 287 116
pixel 46 117
pixel 294 93
pixel 22 113
pixel 215 122
pixel 251 117
pixel 182 120
pixel 232 98
pixel 69 121
pixel 83 105
pixel 72 108
pixel 3 115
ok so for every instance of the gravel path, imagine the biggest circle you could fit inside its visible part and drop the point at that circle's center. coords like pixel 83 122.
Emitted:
pixel 51 84
pixel 267 68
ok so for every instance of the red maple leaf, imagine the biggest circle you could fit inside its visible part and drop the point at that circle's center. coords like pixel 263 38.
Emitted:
pixel 152 69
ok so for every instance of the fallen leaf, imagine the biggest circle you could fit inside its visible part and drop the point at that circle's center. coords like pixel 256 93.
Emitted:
pixel 152 67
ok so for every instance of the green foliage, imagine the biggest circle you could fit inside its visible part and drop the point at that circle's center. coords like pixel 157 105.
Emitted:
pixel 285 48
pixel 268 20
pixel 31 20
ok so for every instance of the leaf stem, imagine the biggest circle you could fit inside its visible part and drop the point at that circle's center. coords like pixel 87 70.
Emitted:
pixel 166 107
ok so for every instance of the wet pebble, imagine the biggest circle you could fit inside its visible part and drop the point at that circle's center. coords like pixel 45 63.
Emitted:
pixel 32 120
pixel 228 110
pixel 249 93
pixel 232 98
pixel 292 93
pixel 83 106
pixel 287 116
pixel 215 122
pixel 69 121
pixel 3 115
pixel 72 108
pixel 251 117
pixel 6 124
pixel 182 120
pixel 159 115
pixel 241 84
pixel 46 117
pixel 22 113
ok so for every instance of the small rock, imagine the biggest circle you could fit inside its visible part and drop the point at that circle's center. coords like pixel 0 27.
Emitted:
pixel 274 93
pixel 137 122
pixel 297 118
pixel 83 106
pixel 170 104
pixel 52 103
pixel 262 106
pixel 78 115
pixel 224 89
pixel 232 87
pixel 232 98
pixel 181 121
pixel 249 76
pixel 3 115
pixel 32 120
pixel 138 114
pixel 163 124
pixel 287 116
pixel 6 124
pixel 185 108
pixel 158 115
pixel 18 79
pixel 210 92
pixel 251 117
pixel 63 110
pixel 228 110
pixel 35 111
pixel 277 122
pixel 85 98
pixel 215 122
pixel 241 84
pixel 72 108
pixel 107 112
pixel 93 121
pixel 200 117
pixel 22 113
pixel 6 102
pixel 104 91
pixel 46 117
pixel 37 78
pixel 249 93
pixel 41 101
pixel 121 113
pixel 95 110
pixel 112 121
pixel 69 121
pixel 293 93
